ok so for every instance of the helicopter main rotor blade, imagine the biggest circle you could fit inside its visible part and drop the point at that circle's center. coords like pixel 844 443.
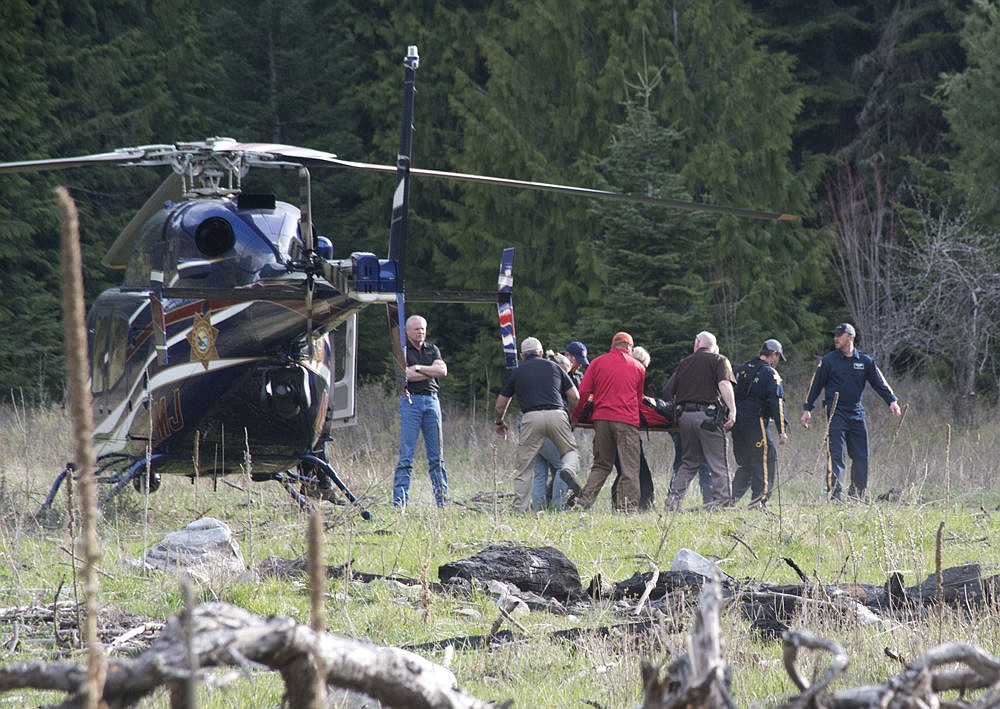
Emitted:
pixel 319 157
pixel 293 152
pixel 118 156
pixel 581 191
pixel 118 254
pixel 264 154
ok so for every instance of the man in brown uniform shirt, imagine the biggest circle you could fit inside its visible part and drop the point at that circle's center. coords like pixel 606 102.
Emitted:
pixel 701 381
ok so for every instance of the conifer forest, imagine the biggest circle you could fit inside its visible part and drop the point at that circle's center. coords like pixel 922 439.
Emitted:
pixel 873 121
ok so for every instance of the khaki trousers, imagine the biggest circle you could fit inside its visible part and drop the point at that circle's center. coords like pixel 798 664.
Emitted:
pixel 536 426
pixel 612 437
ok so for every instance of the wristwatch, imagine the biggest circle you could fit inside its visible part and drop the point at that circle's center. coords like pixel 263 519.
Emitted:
pixel 498 422
pixel 416 368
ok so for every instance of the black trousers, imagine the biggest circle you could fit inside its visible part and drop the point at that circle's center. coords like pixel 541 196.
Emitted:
pixel 756 459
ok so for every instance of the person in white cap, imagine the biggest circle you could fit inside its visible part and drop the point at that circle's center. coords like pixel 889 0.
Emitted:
pixel 842 375
pixel 539 385
pixel 760 399
pixel 702 390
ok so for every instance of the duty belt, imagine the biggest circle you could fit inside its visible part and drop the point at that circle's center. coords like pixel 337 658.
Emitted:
pixel 694 406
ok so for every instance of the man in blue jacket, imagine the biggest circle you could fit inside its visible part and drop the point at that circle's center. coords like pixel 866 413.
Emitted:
pixel 760 399
pixel 843 374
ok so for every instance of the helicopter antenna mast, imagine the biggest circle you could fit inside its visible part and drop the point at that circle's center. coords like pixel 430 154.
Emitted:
pixel 306 232
pixel 401 197
pixel 400 202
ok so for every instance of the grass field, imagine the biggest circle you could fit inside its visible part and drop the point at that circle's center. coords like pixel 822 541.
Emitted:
pixel 945 477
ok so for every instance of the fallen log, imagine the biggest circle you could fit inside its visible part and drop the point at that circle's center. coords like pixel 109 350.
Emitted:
pixel 700 678
pixel 542 570
pixel 223 635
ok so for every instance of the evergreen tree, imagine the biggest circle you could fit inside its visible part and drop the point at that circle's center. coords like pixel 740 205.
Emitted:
pixel 969 102
pixel 654 281
pixel 552 88
pixel 30 354
pixel 735 103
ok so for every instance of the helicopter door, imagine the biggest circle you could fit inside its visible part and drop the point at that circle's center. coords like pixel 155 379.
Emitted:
pixel 108 341
pixel 98 333
pixel 344 341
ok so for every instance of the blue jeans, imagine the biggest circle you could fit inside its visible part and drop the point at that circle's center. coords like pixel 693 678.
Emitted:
pixel 423 415
pixel 548 462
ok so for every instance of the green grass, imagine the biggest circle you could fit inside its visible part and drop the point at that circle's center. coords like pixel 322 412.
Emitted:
pixel 945 477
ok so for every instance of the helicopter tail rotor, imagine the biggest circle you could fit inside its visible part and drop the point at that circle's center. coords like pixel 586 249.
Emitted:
pixel 505 308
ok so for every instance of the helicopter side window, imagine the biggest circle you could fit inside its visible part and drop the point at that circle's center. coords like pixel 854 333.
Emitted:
pixel 117 342
pixel 98 352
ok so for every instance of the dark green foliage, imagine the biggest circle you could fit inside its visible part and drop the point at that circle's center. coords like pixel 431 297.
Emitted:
pixel 743 103
pixel 654 283
pixel 736 104
pixel 969 98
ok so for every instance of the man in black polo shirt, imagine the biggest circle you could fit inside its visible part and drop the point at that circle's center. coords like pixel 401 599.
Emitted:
pixel 420 412
pixel 539 385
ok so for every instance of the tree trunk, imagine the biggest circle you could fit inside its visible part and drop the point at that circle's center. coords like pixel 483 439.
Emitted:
pixel 964 403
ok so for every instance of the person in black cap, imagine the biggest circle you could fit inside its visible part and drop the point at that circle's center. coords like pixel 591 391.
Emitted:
pixel 577 353
pixel 760 398
pixel 843 374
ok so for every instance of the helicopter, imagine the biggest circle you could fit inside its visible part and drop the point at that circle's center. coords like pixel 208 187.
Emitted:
pixel 234 326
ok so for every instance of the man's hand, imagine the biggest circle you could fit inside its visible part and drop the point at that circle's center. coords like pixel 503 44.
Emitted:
pixel 806 418
pixel 501 429
pixel 782 438
pixel 894 408
pixel 730 422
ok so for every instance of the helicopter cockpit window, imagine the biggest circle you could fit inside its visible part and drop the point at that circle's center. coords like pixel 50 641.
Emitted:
pixel 214 237
pixel 147 250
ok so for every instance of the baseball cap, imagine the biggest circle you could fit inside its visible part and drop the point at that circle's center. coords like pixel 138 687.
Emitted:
pixel 844 328
pixel 773 345
pixel 531 345
pixel 578 350
pixel 621 337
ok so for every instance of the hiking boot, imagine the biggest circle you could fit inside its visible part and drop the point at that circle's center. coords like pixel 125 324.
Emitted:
pixel 574 487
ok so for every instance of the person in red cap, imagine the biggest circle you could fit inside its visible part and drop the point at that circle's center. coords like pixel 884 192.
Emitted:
pixel 616 381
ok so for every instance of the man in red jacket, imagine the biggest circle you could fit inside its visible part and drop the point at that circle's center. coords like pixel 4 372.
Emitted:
pixel 616 382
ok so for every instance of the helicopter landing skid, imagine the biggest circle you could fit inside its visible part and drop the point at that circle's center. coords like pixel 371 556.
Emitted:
pixel 325 473
pixel 125 468
pixel 317 475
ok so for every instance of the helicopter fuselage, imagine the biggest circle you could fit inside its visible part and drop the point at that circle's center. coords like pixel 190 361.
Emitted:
pixel 209 356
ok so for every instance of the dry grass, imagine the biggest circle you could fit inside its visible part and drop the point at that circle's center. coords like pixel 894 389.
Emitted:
pixel 943 479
